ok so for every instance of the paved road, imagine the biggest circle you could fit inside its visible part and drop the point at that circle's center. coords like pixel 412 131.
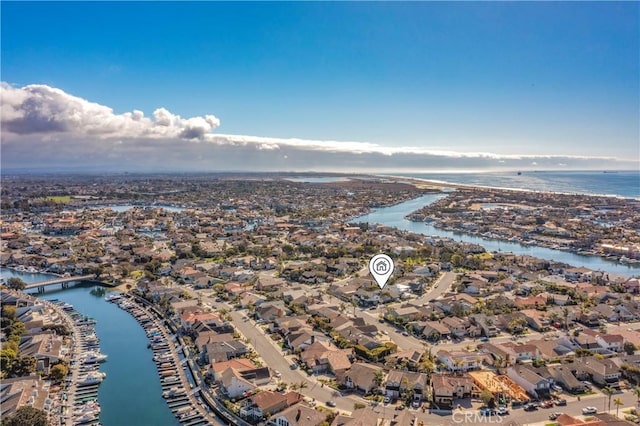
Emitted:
pixel 442 285
pixel 518 417
pixel 272 356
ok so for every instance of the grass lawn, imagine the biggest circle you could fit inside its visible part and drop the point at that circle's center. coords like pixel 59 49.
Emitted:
pixel 62 199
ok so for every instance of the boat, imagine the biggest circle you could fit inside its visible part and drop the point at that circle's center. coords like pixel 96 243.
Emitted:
pixel 85 418
pixel 172 392
pixel 92 378
pixel 92 357
pixel 87 408
pixel 113 297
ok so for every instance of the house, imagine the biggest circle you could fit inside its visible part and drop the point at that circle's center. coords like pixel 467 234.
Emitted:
pixel 46 348
pixel 266 403
pixel 460 361
pixel 223 351
pixel 269 283
pixel 399 382
pixel 562 375
pixel 359 417
pixel 457 327
pixel 535 319
pixel 239 364
pixel 431 330
pixel 268 311
pixel 521 352
pixel 445 389
pixel 603 372
pixel 408 313
pixel 298 415
pixel 500 355
pixel 529 380
pixel 233 384
pixel 18 392
pixel 612 342
pixel 485 323
pixel 361 377
pixel 324 357
pixel 632 285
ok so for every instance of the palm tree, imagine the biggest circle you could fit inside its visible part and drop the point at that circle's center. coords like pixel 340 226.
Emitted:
pixel 617 402
pixel 565 314
pixel 378 378
pixel 609 391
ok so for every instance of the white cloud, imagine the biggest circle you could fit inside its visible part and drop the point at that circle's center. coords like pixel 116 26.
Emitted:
pixel 37 109
pixel 44 126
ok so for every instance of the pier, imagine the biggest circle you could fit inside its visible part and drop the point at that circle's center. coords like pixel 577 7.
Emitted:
pixel 61 280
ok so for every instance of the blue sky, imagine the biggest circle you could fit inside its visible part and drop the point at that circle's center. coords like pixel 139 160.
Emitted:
pixel 502 78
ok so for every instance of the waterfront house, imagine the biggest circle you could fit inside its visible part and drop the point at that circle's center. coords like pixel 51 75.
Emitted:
pixel 233 384
pixel 31 391
pixel 222 351
pixel 239 364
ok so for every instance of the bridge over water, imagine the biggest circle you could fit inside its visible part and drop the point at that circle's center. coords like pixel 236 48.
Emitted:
pixel 61 280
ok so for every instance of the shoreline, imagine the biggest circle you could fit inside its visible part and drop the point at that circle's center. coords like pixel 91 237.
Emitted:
pixel 498 188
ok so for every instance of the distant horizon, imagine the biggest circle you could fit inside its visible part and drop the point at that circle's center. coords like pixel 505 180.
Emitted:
pixel 333 86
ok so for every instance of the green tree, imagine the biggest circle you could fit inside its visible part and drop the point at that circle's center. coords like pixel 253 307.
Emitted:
pixel 9 312
pixel 59 372
pixel 23 366
pixel 16 283
pixel 27 416
pixel 629 348
pixel 378 378
pixel 487 398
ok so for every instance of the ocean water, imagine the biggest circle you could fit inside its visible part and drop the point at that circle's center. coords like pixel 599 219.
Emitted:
pixel 616 183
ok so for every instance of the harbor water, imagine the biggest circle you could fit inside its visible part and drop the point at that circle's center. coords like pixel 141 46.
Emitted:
pixel 131 393
pixel 395 216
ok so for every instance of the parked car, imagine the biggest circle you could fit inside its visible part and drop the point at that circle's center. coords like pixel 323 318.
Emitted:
pixel 486 411
pixel 589 410
pixel 530 407
pixel 484 339
pixel 415 404
pixel 386 400
pixel 502 411
pixel 554 416
pixel 293 366
pixel 331 404
pixel 277 374
pixel 561 401
pixel 547 404
pixel 405 333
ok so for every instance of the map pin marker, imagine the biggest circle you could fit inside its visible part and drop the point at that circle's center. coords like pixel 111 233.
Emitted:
pixel 381 267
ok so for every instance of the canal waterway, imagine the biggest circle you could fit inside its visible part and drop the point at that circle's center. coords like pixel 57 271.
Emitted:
pixel 395 216
pixel 131 393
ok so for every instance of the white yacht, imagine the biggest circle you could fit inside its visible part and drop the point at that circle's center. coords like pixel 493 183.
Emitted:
pixel 92 357
pixel 93 378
